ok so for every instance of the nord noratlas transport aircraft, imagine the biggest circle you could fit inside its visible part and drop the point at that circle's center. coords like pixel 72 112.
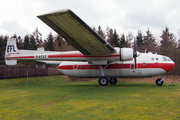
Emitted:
pixel 95 57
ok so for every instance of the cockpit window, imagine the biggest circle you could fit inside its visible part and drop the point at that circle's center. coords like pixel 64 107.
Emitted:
pixel 166 59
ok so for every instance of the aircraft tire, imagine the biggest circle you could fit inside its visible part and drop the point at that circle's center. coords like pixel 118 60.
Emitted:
pixel 158 83
pixel 103 81
pixel 113 81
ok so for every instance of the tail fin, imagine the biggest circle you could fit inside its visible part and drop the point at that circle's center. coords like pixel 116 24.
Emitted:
pixel 11 49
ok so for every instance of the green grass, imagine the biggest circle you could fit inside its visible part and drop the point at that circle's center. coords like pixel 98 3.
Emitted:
pixel 54 97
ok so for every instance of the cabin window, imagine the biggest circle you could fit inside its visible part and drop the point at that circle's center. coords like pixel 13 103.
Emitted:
pixel 109 66
pixel 124 66
pixel 87 66
pixel 132 66
pixel 157 58
pixel 152 59
pixel 117 66
pixel 144 63
pixel 80 66
pixel 75 67
pixel 94 66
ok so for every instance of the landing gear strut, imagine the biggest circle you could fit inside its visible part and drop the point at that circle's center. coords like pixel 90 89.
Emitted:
pixel 103 80
pixel 159 82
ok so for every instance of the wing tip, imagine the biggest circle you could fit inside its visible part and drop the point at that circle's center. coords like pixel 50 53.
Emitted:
pixel 61 11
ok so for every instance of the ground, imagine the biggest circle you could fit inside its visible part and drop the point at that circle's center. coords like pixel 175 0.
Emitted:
pixel 56 97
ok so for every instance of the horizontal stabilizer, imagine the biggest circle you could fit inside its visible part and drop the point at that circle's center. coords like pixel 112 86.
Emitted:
pixel 11 62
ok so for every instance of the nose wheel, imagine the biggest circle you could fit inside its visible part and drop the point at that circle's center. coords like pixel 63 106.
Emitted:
pixel 159 82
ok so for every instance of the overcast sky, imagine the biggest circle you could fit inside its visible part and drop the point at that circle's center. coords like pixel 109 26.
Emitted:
pixel 19 16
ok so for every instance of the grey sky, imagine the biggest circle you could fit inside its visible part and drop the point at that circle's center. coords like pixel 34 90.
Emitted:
pixel 19 16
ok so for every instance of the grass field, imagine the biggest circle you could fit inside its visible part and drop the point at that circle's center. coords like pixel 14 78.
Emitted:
pixel 54 97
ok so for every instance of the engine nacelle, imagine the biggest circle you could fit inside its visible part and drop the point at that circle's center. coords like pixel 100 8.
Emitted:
pixel 126 54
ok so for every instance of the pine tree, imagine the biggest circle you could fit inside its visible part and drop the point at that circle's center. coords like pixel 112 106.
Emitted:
pixel 150 42
pixel 168 44
pixel 122 41
pixel 33 45
pixel 49 42
pixel 101 33
pixel 26 44
pixel 140 41
pixel 115 40
pixel 1 46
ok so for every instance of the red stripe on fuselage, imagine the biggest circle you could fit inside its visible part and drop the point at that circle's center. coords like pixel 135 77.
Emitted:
pixel 166 66
pixel 76 55
pixel 19 57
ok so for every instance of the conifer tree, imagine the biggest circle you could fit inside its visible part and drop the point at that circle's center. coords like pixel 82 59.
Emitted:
pixel 140 41
pixel 115 40
pixel 101 33
pixel 168 44
pixel 26 44
pixel 150 42
pixel 122 41
pixel 33 45
pixel 49 42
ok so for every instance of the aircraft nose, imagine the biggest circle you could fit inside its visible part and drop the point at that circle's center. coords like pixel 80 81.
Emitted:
pixel 170 67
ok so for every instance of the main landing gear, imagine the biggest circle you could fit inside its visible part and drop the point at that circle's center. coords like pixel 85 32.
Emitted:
pixel 103 80
pixel 159 82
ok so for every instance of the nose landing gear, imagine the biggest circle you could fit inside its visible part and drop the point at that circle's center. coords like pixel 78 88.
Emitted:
pixel 159 82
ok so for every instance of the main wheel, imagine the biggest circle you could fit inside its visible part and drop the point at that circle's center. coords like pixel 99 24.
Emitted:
pixel 113 81
pixel 103 81
pixel 159 82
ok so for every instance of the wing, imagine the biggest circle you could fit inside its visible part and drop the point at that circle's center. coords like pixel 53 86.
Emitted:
pixel 67 24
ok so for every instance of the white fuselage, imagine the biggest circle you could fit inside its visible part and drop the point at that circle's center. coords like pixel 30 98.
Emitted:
pixel 148 65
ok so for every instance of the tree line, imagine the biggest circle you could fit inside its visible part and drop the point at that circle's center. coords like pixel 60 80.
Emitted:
pixel 168 44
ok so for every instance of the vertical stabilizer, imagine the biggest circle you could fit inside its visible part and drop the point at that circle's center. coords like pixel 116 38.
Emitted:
pixel 11 49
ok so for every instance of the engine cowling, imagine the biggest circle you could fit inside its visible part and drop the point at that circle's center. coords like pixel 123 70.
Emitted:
pixel 126 54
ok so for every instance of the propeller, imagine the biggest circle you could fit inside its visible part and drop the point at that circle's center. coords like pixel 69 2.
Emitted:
pixel 135 54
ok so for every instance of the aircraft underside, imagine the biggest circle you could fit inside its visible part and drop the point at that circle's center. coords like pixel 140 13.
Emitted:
pixel 113 71
pixel 117 73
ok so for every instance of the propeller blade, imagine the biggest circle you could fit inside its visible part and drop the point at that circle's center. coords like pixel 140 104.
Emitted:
pixel 135 62
pixel 135 53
